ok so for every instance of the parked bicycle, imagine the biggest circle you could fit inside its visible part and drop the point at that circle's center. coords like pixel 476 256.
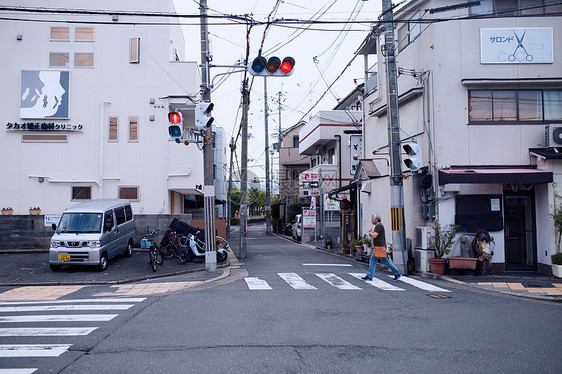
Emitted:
pixel 154 253
pixel 175 245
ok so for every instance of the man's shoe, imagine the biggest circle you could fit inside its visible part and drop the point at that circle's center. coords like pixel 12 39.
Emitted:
pixel 397 276
pixel 366 278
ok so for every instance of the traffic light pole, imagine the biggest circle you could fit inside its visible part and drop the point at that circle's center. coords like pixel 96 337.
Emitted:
pixel 208 155
pixel 244 170
pixel 396 177
pixel 267 185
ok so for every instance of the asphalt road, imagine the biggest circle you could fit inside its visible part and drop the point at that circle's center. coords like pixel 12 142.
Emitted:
pixel 227 327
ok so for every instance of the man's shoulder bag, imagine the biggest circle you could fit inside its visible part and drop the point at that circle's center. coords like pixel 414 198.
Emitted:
pixel 379 252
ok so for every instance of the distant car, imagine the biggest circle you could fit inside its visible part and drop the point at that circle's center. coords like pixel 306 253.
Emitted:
pixel 297 227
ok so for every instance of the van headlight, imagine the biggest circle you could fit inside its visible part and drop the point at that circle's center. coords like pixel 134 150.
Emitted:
pixel 55 243
pixel 94 244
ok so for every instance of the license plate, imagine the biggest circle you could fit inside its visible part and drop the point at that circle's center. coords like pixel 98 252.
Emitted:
pixel 64 257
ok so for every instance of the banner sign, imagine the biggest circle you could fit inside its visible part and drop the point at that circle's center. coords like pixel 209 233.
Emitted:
pixel 309 218
pixel 516 46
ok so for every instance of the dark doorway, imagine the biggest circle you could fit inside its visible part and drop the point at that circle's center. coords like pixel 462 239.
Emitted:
pixel 519 230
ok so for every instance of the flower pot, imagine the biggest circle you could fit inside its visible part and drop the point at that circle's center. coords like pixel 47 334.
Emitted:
pixel 557 270
pixel 328 246
pixel 7 212
pixel 437 265
pixel 462 263
pixel 34 211
pixel 359 248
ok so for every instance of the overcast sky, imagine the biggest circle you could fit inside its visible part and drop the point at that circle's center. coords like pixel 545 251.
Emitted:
pixel 333 48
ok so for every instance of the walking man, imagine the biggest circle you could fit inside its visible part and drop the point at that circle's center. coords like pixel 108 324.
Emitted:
pixel 379 240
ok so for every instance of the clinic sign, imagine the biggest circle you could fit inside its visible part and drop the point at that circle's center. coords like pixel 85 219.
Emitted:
pixel 516 46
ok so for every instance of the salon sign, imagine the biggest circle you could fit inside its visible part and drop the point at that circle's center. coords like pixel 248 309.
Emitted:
pixel 516 46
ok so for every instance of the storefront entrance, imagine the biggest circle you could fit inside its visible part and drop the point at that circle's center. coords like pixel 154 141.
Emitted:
pixel 519 229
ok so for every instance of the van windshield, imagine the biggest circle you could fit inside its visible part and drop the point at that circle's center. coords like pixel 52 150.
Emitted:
pixel 80 223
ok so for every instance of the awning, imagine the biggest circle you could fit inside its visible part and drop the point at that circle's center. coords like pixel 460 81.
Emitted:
pixel 515 175
pixel 336 191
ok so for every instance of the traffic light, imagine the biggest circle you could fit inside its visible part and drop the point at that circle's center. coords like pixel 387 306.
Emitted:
pixel 413 159
pixel 273 67
pixel 203 120
pixel 175 127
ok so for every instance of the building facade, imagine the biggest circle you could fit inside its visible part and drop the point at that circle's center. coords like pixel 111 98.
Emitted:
pixel 84 109
pixel 477 91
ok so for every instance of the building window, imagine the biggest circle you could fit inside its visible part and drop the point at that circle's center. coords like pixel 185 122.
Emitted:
pixel 129 193
pixel 295 141
pixel 331 156
pixel 503 8
pixel 133 129
pixel 134 57
pixel 81 193
pixel 409 31
pixel 59 59
pixel 60 34
pixel 113 129
pixel 83 60
pixel 84 34
pixel 514 105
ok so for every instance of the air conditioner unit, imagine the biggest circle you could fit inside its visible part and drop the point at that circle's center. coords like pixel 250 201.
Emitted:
pixel 423 233
pixel 553 136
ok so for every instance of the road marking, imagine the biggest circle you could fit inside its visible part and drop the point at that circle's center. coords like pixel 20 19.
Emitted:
pixel 46 331
pixel 100 300
pixel 419 284
pixel 327 265
pixel 337 282
pixel 296 281
pixel 46 308
pixel 59 318
pixel 33 350
pixel 256 284
pixel 18 371
pixel 38 292
pixel 377 283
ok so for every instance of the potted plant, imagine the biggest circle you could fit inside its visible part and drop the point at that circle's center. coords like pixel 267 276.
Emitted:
pixel 358 244
pixel 441 241
pixel 557 265
pixel 7 211
pixel 367 244
pixel 344 248
pixel 34 210
pixel 328 242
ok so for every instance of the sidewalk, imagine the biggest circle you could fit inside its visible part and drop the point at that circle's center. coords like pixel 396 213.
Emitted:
pixel 531 285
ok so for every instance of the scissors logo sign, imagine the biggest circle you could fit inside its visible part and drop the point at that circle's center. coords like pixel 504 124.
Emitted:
pixel 519 56
pixel 516 46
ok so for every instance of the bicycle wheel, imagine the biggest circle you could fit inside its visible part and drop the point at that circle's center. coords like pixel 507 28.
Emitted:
pixel 158 254
pixel 182 254
pixel 152 259
pixel 167 251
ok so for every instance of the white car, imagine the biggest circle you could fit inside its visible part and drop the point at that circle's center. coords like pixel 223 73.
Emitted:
pixel 297 227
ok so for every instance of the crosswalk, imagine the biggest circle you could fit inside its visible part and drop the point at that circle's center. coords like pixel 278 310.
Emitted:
pixel 57 318
pixel 297 282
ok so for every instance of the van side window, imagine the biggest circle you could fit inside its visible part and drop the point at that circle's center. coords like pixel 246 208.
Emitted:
pixel 108 221
pixel 128 212
pixel 120 215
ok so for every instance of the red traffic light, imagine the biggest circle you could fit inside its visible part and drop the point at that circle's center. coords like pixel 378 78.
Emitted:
pixel 287 65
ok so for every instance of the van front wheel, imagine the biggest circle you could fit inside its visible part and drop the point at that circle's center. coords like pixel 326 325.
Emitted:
pixel 103 262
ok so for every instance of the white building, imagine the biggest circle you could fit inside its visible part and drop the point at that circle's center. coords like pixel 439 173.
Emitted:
pixel 84 108
pixel 476 92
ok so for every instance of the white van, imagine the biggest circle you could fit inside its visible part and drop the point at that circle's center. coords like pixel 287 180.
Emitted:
pixel 91 233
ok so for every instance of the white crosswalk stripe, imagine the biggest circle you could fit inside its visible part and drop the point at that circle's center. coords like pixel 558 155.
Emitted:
pixel 423 285
pixel 59 306
pixel 377 283
pixel 297 282
pixel 337 282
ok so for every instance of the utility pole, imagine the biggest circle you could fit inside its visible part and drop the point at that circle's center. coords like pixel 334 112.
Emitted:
pixel 208 156
pixel 244 170
pixel 396 177
pixel 229 197
pixel 267 185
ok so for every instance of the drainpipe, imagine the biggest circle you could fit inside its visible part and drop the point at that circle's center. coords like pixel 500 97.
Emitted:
pixel 102 118
pixel 339 157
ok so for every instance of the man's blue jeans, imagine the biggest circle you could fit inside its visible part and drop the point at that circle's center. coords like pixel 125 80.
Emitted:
pixel 386 261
